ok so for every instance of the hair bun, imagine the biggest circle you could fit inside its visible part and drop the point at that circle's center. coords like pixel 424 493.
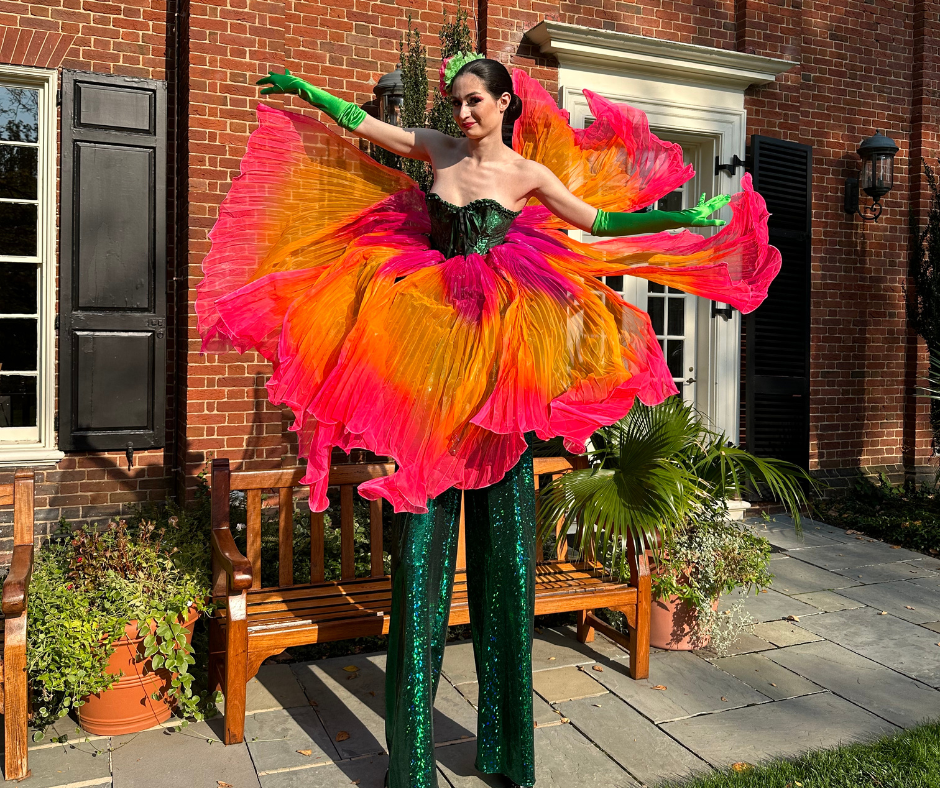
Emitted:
pixel 514 110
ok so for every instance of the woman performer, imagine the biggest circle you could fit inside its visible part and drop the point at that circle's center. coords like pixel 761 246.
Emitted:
pixel 439 329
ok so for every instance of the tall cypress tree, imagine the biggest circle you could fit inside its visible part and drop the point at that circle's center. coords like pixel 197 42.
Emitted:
pixel 414 77
pixel 455 36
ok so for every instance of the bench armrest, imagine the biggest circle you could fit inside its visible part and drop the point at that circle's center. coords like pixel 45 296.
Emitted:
pixel 236 566
pixel 16 585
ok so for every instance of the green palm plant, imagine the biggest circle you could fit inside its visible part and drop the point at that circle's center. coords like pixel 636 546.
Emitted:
pixel 656 470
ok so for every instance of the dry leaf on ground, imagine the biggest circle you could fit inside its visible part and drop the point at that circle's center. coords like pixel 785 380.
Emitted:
pixel 342 736
pixel 351 668
pixel 659 687
pixel 741 766
pixel 791 618
pixel 305 752
pixel 223 784
pixel 598 668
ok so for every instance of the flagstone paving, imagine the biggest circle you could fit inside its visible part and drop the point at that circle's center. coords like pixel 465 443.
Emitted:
pixel 847 646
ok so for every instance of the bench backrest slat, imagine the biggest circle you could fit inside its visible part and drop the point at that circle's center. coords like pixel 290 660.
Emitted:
pixel 254 535
pixel 285 536
pixel 375 538
pixel 347 533
pixel 317 569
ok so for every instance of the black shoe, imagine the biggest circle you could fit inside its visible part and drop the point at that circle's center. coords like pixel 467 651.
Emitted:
pixel 386 778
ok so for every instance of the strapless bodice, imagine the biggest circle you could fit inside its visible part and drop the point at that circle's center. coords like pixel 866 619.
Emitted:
pixel 476 227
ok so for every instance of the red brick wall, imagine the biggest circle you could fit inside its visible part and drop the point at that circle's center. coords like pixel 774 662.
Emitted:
pixel 865 362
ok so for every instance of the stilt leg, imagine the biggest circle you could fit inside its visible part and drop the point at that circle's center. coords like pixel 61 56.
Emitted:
pixel 424 553
pixel 500 524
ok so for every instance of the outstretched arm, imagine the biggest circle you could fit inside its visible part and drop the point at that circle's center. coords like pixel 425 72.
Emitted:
pixel 412 143
pixel 553 194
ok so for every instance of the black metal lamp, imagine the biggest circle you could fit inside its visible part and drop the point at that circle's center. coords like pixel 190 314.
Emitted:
pixel 877 178
pixel 390 94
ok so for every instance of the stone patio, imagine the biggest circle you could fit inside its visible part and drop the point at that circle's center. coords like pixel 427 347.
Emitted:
pixel 859 657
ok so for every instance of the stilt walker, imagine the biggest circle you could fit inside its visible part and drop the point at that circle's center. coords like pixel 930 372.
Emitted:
pixel 441 329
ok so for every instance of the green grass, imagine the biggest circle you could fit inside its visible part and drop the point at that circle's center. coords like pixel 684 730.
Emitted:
pixel 910 759
pixel 905 515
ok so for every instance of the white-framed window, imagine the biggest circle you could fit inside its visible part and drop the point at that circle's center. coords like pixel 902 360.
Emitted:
pixel 27 265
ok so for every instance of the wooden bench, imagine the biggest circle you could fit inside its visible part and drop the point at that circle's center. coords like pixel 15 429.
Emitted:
pixel 13 696
pixel 253 623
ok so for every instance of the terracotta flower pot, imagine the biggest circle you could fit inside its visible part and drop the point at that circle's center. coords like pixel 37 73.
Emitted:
pixel 671 623
pixel 127 706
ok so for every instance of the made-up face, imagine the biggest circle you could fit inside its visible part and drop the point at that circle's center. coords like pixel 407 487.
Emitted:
pixel 475 110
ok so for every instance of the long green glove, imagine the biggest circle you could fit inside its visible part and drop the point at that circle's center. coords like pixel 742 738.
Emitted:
pixel 612 224
pixel 347 115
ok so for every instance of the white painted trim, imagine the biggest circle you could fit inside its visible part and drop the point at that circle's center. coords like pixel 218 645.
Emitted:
pixel 576 46
pixel 714 119
pixel 42 450
pixel 19 455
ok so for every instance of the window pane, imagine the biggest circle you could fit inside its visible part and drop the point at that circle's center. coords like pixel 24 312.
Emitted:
pixel 656 288
pixel 18 344
pixel 614 283
pixel 19 168
pixel 674 357
pixel 18 288
pixel 19 114
pixel 655 308
pixel 18 229
pixel 17 401
pixel 671 202
pixel 677 316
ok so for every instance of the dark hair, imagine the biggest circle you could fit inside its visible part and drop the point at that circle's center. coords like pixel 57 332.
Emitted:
pixel 495 78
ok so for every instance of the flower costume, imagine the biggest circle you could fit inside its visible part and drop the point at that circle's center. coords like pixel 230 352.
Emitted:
pixel 443 352
pixel 439 335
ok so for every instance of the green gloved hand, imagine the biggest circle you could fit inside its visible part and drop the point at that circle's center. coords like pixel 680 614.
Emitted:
pixel 347 115
pixel 613 224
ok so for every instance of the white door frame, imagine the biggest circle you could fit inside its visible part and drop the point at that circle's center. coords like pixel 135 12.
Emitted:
pixel 715 119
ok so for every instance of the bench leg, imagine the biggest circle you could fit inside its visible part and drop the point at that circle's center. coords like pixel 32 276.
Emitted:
pixel 216 655
pixel 585 630
pixel 15 707
pixel 236 668
pixel 640 634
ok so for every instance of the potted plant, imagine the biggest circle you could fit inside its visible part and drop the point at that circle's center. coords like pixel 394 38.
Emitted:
pixel 110 626
pixel 660 480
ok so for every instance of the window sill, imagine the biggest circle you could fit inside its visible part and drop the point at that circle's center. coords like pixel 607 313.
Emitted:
pixel 18 456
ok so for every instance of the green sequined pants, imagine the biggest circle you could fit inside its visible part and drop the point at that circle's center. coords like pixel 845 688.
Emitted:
pixel 500 531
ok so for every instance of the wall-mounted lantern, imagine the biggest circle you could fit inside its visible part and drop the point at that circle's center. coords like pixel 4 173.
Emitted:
pixel 390 94
pixel 877 178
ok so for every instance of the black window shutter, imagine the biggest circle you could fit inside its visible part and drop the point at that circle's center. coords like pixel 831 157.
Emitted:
pixel 778 332
pixel 112 287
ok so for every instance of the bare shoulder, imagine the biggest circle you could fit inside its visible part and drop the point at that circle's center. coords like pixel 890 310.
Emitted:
pixel 533 173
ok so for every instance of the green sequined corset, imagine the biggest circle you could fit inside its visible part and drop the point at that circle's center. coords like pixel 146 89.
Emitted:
pixel 477 226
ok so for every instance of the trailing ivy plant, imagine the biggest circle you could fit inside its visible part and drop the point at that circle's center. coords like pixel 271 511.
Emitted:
pixel 706 556
pixel 88 585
